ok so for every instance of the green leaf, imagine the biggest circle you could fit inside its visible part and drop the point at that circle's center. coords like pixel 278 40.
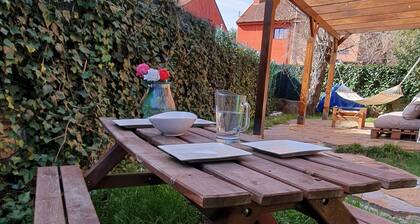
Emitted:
pixel 8 43
pixel 86 74
pixel 25 197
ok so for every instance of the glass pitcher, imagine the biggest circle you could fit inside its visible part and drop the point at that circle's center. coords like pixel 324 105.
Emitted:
pixel 232 116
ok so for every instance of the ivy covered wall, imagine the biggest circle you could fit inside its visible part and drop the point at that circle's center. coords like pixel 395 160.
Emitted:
pixel 64 64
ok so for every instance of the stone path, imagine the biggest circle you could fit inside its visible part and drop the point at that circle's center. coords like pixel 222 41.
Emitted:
pixel 398 202
pixel 320 132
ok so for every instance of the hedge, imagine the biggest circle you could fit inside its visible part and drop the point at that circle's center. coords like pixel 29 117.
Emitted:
pixel 66 63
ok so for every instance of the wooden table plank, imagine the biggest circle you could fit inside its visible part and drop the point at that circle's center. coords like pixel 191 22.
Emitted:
pixel 313 188
pixel 203 189
pixel 48 201
pixel 389 179
pixel 350 182
pixel 265 190
pixel 79 206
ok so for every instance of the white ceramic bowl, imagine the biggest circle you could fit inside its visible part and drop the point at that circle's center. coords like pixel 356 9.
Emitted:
pixel 174 123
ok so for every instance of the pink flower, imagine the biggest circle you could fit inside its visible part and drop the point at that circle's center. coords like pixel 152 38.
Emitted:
pixel 164 74
pixel 142 69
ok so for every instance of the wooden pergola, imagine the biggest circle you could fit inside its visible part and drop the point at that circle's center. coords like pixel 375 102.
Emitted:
pixel 340 18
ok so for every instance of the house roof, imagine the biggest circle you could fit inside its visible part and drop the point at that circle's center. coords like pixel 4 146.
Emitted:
pixel 284 11
pixel 183 2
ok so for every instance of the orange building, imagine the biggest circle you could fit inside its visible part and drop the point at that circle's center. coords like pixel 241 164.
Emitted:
pixel 204 9
pixel 289 22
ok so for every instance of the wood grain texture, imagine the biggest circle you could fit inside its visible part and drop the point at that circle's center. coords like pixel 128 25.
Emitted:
pixel 79 206
pixel 389 179
pixel 330 79
pixel 204 190
pixel 48 201
pixel 313 188
pixel 264 65
pixel 306 77
pixel 350 182
pixel 128 180
pixel 105 164
pixel 265 190
pixel 302 5
pixel 357 5
pixel 329 211
pixel 380 10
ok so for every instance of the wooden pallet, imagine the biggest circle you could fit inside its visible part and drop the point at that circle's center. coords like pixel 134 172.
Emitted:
pixel 394 133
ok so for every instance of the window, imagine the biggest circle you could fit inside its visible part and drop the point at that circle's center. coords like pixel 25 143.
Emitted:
pixel 280 33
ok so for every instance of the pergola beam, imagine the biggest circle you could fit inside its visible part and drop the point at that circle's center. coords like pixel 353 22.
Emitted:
pixel 377 24
pixel 380 17
pixel 302 5
pixel 385 28
pixel 380 10
pixel 304 89
pixel 356 5
pixel 264 66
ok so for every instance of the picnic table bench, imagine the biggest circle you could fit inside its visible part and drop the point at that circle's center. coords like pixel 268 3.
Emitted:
pixel 247 190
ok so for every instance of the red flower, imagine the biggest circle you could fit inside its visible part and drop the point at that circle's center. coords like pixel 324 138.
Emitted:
pixel 164 74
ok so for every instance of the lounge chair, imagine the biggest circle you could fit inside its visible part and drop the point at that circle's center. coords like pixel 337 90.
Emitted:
pixel 399 123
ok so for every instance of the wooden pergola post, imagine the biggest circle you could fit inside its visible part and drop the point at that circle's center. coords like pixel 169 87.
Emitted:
pixel 264 66
pixel 330 80
pixel 304 90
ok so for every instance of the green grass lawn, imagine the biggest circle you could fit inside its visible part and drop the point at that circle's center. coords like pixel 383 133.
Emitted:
pixel 162 204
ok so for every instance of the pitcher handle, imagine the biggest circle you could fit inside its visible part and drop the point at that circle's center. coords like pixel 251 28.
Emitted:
pixel 246 108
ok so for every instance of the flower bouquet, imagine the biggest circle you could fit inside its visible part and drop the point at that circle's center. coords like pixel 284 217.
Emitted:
pixel 158 97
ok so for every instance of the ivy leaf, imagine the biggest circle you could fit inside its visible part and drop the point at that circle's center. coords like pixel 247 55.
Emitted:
pixel 8 43
pixel 47 89
pixel 25 197
pixel 86 74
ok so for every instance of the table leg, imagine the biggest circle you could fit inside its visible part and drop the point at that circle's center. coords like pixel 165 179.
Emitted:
pixel 246 214
pixel 107 162
pixel 266 218
pixel 329 211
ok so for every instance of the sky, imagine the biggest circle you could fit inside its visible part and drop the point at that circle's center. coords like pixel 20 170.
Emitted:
pixel 231 9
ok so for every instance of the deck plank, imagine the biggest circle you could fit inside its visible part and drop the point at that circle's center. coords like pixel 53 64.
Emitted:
pixel 48 201
pixel 203 189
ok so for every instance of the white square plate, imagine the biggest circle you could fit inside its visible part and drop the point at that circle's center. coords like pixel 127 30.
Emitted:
pixel 286 148
pixel 145 123
pixel 203 152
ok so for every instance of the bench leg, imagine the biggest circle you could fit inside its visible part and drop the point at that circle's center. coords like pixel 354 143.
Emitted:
pixel 329 211
pixel 107 162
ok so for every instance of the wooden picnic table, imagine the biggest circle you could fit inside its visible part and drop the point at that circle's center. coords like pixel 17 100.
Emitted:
pixel 249 189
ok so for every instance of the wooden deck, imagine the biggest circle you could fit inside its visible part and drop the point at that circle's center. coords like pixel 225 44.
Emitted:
pixel 320 132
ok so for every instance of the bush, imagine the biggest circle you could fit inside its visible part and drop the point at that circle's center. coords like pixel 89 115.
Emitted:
pixel 66 63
